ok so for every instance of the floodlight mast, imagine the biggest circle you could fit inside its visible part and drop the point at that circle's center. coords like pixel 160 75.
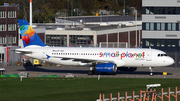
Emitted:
pixel 30 13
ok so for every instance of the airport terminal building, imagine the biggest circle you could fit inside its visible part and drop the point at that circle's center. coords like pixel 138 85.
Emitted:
pixel 161 26
pixel 91 32
pixel 95 36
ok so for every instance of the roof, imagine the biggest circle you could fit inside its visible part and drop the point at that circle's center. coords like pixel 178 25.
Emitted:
pixel 103 18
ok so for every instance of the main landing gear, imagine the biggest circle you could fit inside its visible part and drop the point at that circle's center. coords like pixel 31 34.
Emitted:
pixel 151 71
pixel 91 71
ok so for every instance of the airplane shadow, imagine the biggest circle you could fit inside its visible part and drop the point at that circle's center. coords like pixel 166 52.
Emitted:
pixel 140 72
pixel 41 69
pixel 78 71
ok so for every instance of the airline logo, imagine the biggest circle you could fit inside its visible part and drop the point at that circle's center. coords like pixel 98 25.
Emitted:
pixel 57 50
pixel 122 55
pixel 28 34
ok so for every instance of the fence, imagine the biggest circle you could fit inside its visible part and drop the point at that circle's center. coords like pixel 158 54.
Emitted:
pixel 167 94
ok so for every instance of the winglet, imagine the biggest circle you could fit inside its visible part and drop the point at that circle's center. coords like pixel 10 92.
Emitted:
pixel 29 36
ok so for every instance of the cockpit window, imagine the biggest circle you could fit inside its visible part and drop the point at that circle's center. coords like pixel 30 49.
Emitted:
pixel 160 55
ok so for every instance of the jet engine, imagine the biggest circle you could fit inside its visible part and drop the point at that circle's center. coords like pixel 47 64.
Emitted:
pixel 106 67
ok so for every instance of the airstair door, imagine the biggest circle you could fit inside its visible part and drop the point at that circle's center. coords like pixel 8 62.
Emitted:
pixel 149 56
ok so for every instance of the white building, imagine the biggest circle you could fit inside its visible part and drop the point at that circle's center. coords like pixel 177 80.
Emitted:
pixel 161 26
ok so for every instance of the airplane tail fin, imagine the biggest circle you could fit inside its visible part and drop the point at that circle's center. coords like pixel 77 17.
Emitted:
pixel 29 36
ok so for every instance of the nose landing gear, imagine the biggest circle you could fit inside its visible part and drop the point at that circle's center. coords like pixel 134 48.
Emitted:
pixel 151 71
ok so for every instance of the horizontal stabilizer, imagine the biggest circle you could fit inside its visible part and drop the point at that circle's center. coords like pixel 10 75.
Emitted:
pixel 23 51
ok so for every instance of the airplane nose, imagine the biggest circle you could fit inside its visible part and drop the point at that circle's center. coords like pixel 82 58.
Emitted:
pixel 170 61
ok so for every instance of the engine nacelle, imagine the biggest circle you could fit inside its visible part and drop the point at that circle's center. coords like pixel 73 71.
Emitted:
pixel 106 67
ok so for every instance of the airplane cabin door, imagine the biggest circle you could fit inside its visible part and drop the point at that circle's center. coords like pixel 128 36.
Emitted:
pixel 149 54
pixel 44 54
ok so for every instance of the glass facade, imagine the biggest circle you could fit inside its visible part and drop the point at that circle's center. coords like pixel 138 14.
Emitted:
pixel 2 27
pixel 162 43
pixel 2 14
pixel 11 27
pixel 56 40
pixel 80 40
pixel 161 26
pixel 74 40
pixel 158 26
pixel 169 26
pixel 11 14
pixel 161 10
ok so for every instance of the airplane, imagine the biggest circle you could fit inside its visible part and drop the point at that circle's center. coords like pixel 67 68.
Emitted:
pixel 104 60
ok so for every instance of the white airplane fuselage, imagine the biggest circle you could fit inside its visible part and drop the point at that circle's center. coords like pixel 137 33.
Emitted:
pixel 122 57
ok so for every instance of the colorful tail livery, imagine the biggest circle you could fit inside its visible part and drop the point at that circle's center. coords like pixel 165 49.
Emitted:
pixel 29 36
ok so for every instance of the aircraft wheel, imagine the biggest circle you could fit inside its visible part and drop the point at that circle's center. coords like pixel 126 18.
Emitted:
pixel 151 73
pixel 90 72
pixel 132 68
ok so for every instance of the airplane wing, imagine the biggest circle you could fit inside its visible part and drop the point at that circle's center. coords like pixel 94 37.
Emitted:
pixel 84 60
pixel 90 61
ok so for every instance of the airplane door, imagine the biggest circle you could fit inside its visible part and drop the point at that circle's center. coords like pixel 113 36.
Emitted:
pixel 148 58
pixel 44 54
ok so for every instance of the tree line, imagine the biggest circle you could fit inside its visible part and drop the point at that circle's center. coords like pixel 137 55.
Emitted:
pixel 47 10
